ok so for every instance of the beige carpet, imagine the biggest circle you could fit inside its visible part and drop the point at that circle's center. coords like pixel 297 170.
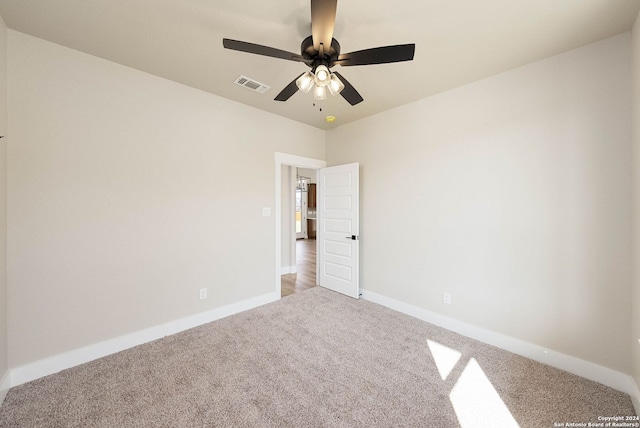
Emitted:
pixel 313 359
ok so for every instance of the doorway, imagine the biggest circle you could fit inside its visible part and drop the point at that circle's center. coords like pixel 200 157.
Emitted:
pixel 301 213
pixel 303 275
pixel 296 260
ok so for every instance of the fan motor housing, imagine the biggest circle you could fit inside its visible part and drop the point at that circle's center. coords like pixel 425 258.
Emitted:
pixel 308 52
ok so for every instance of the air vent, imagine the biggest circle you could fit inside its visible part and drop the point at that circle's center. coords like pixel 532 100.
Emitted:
pixel 247 82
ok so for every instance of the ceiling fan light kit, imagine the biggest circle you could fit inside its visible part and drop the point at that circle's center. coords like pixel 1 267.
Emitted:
pixel 320 93
pixel 321 80
pixel 320 52
pixel 335 85
pixel 322 75
pixel 305 82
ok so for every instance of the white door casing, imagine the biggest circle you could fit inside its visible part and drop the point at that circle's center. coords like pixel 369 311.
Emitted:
pixel 338 229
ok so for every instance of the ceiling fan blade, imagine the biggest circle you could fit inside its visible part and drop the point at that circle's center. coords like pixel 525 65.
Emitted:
pixel 288 90
pixel 381 55
pixel 323 20
pixel 237 45
pixel 349 93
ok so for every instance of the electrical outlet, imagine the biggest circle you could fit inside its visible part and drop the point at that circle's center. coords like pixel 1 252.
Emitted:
pixel 203 293
pixel 446 298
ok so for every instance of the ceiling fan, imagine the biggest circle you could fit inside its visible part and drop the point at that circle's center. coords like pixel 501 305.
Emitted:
pixel 320 51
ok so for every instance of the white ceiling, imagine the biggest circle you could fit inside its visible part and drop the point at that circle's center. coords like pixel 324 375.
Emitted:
pixel 457 42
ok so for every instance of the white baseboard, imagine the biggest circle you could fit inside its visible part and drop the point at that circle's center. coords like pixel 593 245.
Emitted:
pixel 635 396
pixel 606 376
pixel 284 270
pixel 56 363
pixel 5 384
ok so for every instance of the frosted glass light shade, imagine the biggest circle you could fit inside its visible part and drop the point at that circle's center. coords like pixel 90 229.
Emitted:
pixel 320 93
pixel 335 85
pixel 322 75
pixel 305 82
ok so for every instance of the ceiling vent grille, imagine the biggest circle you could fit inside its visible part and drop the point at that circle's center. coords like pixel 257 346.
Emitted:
pixel 247 82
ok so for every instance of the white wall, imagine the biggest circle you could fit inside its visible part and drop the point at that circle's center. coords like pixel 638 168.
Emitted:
pixel 127 194
pixel 635 337
pixel 3 210
pixel 288 260
pixel 306 172
pixel 512 193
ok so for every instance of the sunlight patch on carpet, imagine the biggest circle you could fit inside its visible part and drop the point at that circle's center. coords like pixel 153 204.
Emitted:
pixel 445 358
pixel 477 403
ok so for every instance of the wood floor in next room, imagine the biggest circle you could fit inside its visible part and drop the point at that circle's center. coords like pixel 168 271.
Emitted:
pixel 305 277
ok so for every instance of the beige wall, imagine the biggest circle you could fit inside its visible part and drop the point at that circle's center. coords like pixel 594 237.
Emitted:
pixel 511 193
pixel 127 194
pixel 635 338
pixel 3 199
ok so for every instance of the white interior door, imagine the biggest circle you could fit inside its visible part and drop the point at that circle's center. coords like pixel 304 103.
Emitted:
pixel 338 229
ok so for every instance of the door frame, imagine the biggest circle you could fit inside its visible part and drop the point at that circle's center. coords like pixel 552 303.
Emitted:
pixel 286 159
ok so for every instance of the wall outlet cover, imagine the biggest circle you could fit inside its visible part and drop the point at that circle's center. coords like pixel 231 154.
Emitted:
pixel 446 298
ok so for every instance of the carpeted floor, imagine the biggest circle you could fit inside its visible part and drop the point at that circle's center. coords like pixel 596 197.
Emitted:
pixel 313 359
